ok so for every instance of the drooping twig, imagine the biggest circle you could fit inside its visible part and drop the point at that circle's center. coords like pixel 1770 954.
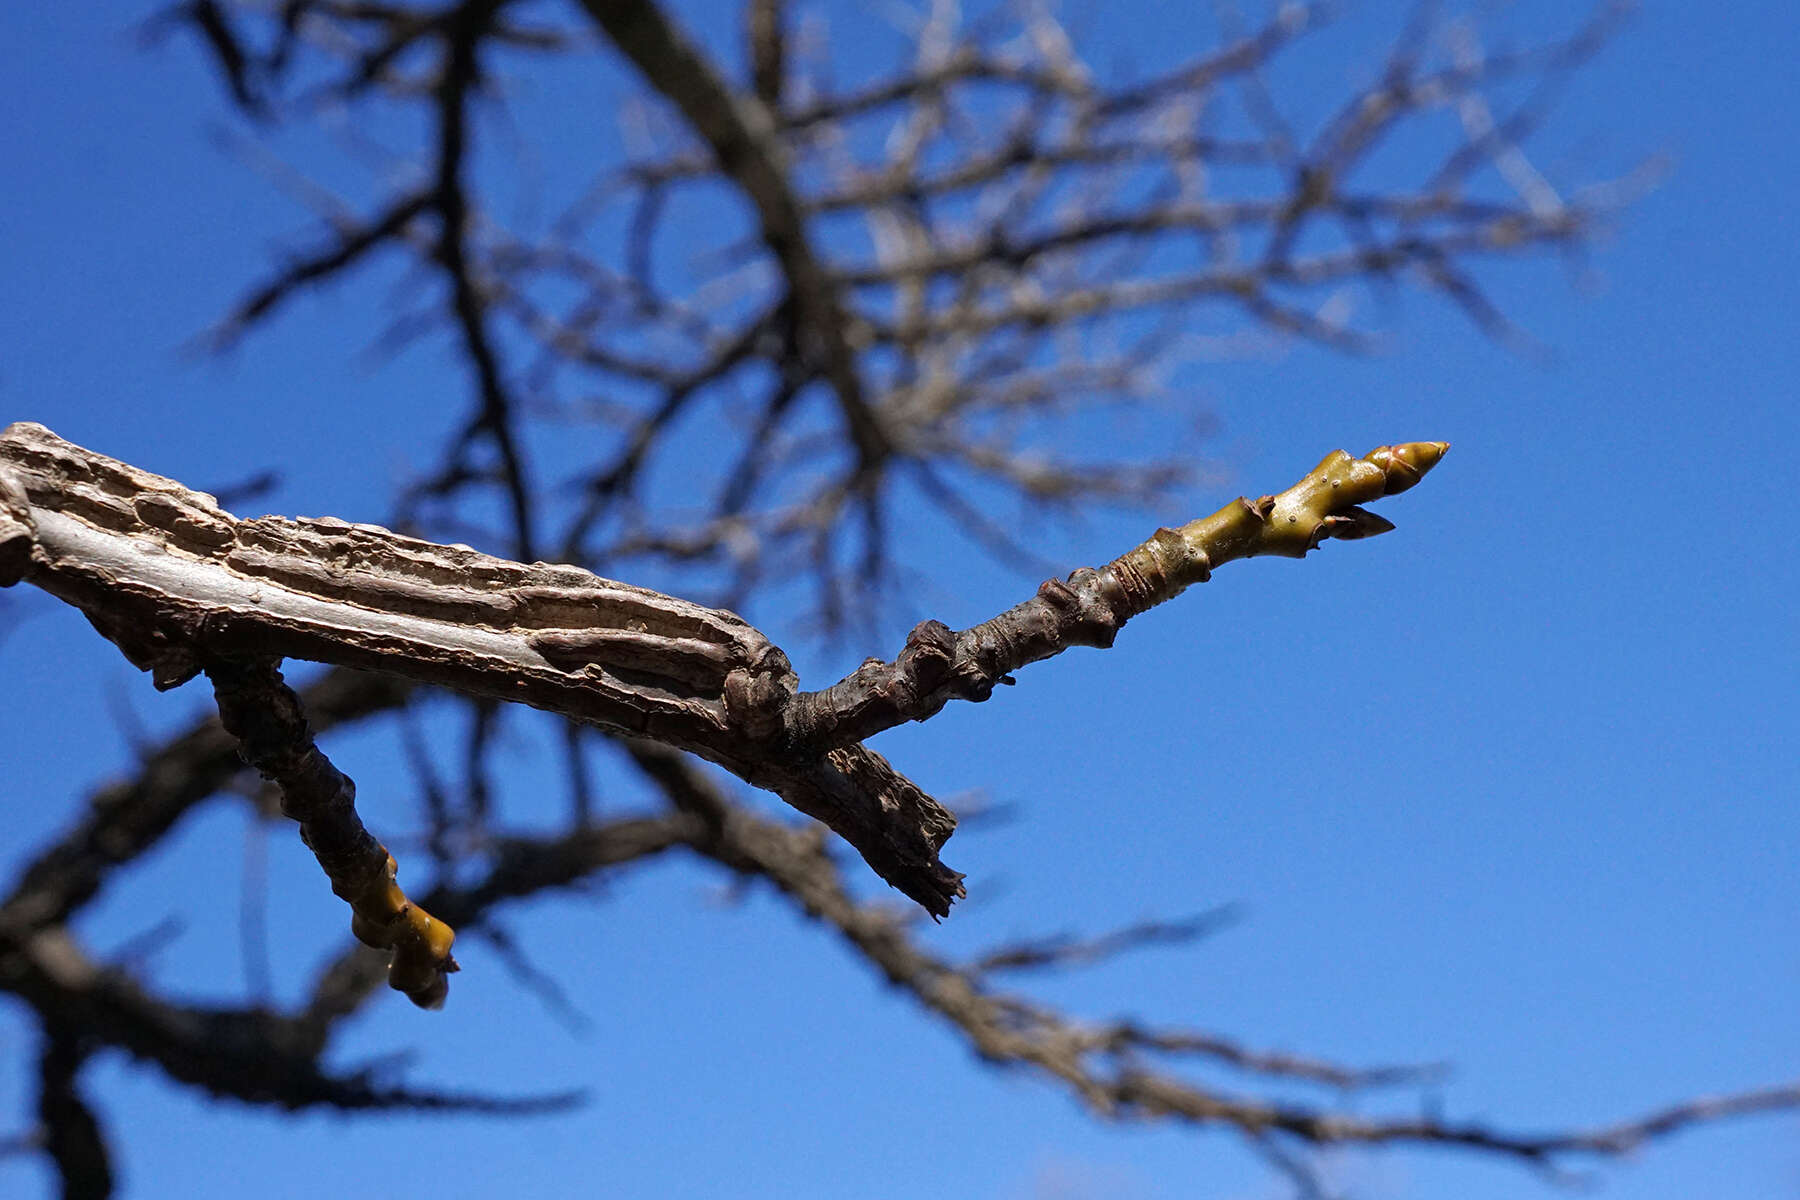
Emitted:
pixel 263 713
pixel 126 820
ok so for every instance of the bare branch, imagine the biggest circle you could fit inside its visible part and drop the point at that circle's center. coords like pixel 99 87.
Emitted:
pixel 263 713
pixel 938 665
pixel 1102 1065
pixel 350 244
pixel 72 1137
pixel 124 820
pixel 245 1054
pixel 1067 951
pixel 177 583
pixel 946 258
pixel 742 135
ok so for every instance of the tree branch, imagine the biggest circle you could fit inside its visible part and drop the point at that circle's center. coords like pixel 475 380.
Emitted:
pixel 180 585
pixel 742 133
pixel 1105 1065
pixel 176 582
pixel 939 665
pixel 245 1054
pixel 125 820
pixel 263 713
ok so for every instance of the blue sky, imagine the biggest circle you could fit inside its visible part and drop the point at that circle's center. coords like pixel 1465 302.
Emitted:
pixel 1541 822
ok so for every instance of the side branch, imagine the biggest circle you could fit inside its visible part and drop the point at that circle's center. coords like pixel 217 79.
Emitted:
pixel 263 713
pixel 939 664
pixel 1121 1069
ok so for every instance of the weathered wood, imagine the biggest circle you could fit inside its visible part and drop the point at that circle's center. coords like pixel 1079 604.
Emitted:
pixel 176 582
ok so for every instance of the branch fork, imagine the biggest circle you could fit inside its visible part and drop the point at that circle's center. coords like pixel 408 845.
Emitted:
pixel 182 586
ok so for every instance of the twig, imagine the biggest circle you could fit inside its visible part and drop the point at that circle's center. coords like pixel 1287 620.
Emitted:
pixel 938 664
pixel 263 713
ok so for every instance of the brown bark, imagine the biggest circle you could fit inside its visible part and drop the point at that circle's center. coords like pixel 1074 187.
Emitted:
pixel 177 583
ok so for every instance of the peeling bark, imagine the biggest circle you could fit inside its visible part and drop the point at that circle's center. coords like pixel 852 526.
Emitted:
pixel 181 586
pixel 177 583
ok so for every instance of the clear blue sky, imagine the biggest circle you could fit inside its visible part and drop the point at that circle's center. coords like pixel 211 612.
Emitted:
pixel 1544 827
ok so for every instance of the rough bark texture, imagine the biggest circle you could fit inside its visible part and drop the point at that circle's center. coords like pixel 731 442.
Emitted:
pixel 176 583
pixel 180 586
pixel 967 253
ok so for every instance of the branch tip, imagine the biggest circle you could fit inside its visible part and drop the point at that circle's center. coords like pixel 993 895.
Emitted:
pixel 383 918
pixel 18 532
pixel 1404 465
pixel 1325 504
pixel 938 664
